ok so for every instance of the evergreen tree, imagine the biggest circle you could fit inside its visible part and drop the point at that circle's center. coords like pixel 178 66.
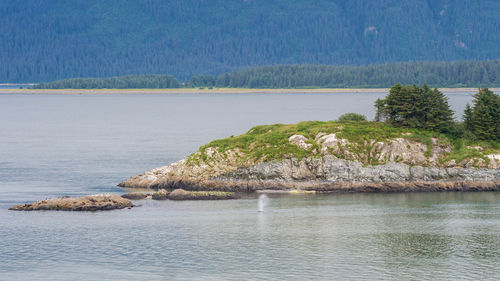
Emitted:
pixel 414 107
pixel 468 117
pixel 401 106
pixel 486 115
pixel 436 111
pixel 380 109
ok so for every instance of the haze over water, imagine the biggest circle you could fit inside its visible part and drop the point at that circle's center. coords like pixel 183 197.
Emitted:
pixel 85 144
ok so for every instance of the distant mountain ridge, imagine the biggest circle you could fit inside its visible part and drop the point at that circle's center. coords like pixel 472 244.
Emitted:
pixel 45 40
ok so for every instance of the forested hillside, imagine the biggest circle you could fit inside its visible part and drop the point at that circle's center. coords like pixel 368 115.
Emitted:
pixel 45 40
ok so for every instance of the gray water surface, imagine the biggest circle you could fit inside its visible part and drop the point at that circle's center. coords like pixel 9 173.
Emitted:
pixel 56 145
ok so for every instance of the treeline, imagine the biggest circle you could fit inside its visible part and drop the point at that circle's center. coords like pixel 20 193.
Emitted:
pixel 435 74
pixel 47 40
pixel 123 82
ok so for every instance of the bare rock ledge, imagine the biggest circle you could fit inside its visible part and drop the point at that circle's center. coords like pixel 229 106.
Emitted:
pixel 96 202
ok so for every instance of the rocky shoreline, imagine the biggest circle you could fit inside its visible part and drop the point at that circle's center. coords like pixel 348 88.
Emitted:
pixel 327 174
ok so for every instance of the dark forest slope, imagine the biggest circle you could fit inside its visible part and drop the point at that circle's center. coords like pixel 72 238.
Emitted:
pixel 43 40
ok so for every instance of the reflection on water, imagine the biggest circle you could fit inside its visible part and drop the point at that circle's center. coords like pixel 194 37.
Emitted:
pixel 73 145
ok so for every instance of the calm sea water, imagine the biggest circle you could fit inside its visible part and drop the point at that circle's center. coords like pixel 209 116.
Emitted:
pixel 85 144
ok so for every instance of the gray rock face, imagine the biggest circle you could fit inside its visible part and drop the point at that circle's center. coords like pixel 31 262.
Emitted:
pixel 326 173
pixel 331 169
pixel 331 174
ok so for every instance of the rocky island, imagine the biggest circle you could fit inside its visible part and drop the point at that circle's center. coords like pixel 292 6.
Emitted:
pixel 98 202
pixel 331 157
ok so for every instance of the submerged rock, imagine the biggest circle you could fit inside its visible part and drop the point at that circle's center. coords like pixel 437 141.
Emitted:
pixel 161 194
pixel 136 195
pixel 181 194
pixel 87 203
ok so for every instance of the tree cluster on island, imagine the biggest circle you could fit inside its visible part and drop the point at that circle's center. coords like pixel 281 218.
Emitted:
pixel 426 108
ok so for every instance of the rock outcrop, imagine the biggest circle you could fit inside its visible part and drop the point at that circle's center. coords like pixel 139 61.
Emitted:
pixel 87 203
pixel 299 141
pixel 331 163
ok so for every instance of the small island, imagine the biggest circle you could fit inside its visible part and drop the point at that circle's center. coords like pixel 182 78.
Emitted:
pixel 98 202
pixel 413 146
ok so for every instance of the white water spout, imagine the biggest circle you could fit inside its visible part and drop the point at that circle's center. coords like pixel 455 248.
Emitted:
pixel 263 201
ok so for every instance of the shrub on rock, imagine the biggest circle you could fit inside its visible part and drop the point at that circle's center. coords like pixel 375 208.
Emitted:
pixel 352 117
pixel 161 194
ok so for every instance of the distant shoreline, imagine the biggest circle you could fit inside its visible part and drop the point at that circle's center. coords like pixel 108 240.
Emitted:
pixel 215 91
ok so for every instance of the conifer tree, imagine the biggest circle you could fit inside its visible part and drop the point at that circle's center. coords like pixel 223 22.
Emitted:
pixel 414 107
pixel 436 111
pixel 468 117
pixel 486 115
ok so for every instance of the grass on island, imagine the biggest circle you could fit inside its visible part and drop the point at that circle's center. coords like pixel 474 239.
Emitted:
pixel 270 142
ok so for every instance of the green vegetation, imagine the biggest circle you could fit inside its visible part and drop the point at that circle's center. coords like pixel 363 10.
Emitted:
pixel 414 107
pixel 124 82
pixel 483 119
pixel 437 74
pixel 464 149
pixel 271 142
pixel 46 40
pixel 354 117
